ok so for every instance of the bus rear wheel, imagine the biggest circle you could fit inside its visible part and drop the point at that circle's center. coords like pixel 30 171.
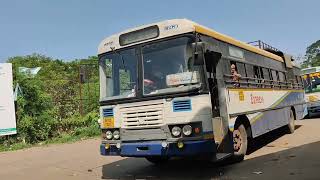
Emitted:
pixel 240 143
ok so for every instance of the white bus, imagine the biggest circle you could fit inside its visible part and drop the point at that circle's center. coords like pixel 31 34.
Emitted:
pixel 311 80
pixel 178 89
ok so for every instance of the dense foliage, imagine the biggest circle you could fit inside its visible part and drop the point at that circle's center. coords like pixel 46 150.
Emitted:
pixel 61 99
pixel 312 55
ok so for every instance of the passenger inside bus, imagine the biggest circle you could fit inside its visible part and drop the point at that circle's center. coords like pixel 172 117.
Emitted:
pixel 235 76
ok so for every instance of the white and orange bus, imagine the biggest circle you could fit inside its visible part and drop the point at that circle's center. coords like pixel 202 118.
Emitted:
pixel 178 89
pixel 311 80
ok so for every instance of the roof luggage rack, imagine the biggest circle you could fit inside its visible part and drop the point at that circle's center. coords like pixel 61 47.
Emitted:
pixel 262 45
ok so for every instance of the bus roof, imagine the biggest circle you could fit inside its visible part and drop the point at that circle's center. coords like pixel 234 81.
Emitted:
pixel 180 26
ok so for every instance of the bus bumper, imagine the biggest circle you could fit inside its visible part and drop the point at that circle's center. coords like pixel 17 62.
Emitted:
pixel 157 148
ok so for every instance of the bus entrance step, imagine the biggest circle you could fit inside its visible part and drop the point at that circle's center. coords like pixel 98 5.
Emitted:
pixel 222 156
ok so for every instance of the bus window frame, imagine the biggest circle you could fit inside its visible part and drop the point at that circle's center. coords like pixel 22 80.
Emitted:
pixel 139 97
pixel 266 79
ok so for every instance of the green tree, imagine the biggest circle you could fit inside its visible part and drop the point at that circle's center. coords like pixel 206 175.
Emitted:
pixel 312 55
pixel 49 104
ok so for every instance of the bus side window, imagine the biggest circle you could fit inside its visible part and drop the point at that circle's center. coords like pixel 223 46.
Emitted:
pixel 242 72
pixel 295 84
pixel 266 77
pixel 241 69
pixel 287 83
pixel 250 75
pixel 301 81
pixel 281 79
pixel 298 81
pixel 257 76
pixel 261 73
pixel 274 78
pixel 256 72
pixel 235 75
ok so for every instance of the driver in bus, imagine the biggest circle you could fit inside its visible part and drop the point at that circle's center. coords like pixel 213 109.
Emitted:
pixel 154 79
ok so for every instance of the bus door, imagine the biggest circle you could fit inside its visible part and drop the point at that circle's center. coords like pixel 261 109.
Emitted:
pixel 220 131
pixel 212 58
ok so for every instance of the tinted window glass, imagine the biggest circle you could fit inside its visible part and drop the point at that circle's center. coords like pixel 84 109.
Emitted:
pixel 265 73
pixel 249 69
pixel 165 66
pixel 281 76
pixel 241 69
pixel 261 73
pixel 256 72
pixel 274 75
pixel 119 74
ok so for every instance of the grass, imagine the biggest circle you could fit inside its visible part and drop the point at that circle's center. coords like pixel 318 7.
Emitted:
pixel 77 135
pixel 13 147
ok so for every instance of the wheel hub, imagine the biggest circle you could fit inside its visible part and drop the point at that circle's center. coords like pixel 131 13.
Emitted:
pixel 237 140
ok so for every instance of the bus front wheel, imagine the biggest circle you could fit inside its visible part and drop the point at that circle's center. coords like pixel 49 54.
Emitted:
pixel 240 143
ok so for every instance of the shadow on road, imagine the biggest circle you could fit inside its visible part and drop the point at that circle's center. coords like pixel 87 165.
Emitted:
pixel 267 138
pixel 296 163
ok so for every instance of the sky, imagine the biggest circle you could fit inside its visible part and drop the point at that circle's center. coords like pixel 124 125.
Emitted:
pixel 72 29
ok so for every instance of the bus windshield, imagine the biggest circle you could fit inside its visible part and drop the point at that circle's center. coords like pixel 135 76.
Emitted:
pixel 167 67
pixel 118 74
pixel 311 82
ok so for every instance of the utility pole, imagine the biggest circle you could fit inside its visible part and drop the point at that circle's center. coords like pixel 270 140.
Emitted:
pixel 80 92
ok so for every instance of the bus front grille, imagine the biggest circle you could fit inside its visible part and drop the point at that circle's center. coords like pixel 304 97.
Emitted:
pixel 147 115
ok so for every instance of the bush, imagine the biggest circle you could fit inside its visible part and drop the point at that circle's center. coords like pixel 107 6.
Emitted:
pixel 49 103
pixel 42 127
pixel 77 121
pixel 36 128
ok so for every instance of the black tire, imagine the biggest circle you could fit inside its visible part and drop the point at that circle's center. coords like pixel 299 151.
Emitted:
pixel 157 160
pixel 291 124
pixel 307 116
pixel 240 143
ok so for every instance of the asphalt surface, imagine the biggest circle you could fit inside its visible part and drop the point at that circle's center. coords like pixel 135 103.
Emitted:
pixel 275 155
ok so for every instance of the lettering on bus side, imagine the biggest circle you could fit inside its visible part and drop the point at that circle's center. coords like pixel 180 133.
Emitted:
pixel 256 99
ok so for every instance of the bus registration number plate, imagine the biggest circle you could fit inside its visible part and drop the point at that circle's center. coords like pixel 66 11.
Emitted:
pixel 108 122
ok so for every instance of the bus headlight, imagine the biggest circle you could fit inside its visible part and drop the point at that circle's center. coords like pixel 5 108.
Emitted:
pixel 109 135
pixel 187 130
pixel 116 134
pixel 176 131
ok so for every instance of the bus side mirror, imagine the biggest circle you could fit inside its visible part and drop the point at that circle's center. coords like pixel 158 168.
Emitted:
pixel 198 53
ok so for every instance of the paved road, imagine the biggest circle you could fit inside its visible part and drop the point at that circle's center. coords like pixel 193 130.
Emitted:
pixel 279 156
